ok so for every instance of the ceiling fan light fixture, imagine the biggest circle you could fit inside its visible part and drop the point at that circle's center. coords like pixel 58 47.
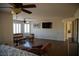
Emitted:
pixel 24 20
pixel 12 12
pixel 16 10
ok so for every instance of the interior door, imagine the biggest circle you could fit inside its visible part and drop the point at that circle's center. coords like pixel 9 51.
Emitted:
pixel 71 37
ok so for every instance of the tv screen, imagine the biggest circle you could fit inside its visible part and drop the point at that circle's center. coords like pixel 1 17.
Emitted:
pixel 47 25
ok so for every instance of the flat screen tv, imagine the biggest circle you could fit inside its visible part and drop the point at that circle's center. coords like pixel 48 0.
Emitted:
pixel 46 24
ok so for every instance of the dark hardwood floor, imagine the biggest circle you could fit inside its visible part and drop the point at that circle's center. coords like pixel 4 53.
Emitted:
pixel 58 48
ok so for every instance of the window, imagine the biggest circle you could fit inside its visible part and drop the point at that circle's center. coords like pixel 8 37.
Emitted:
pixel 26 28
pixel 20 27
pixel 16 28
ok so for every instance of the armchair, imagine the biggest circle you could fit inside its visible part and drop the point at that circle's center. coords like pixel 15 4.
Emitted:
pixel 40 50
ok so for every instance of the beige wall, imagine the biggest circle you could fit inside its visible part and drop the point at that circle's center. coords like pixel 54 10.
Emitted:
pixel 77 13
pixel 0 31
pixel 77 16
pixel 6 35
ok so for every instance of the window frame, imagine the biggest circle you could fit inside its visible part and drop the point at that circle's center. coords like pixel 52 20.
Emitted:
pixel 16 28
pixel 25 27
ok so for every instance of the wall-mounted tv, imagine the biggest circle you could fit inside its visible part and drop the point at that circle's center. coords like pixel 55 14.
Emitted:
pixel 46 24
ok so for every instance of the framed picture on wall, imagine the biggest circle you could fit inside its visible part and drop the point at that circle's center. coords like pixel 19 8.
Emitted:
pixel 36 25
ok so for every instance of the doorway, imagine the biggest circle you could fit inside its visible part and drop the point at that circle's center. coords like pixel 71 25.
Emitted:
pixel 71 36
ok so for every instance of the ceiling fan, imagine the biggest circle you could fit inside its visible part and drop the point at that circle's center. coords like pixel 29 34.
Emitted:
pixel 18 7
pixel 25 21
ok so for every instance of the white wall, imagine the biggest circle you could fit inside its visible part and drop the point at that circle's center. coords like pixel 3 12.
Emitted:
pixel 55 33
pixel 6 28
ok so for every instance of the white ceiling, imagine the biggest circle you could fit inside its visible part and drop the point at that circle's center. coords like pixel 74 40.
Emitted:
pixel 47 10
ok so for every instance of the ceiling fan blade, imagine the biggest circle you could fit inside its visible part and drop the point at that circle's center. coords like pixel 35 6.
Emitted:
pixel 29 12
pixel 29 6
pixel 16 5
